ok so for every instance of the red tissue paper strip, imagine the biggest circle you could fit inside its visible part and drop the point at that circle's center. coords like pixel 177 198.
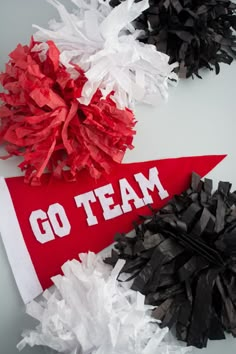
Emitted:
pixel 42 120
pixel 32 219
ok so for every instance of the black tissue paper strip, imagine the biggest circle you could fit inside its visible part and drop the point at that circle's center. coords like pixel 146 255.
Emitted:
pixel 183 259
pixel 196 33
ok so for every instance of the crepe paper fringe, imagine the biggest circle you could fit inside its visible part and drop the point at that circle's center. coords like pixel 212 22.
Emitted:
pixel 43 121
pixel 90 312
pixel 183 259
pixel 102 41
pixel 196 34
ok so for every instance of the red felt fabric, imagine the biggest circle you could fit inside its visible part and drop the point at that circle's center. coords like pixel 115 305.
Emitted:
pixel 48 258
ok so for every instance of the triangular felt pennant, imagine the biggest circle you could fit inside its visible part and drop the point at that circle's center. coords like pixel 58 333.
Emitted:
pixel 42 227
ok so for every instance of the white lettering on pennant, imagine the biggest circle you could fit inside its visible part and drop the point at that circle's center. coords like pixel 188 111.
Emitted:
pixel 49 222
pixel 54 222
pixel 106 202
pixel 55 213
pixel 128 194
pixel 150 184
pixel 45 233
pixel 85 200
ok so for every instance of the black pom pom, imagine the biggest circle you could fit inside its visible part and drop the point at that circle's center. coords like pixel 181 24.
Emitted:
pixel 196 33
pixel 183 259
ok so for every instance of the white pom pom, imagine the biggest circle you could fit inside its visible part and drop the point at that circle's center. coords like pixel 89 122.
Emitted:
pixel 102 41
pixel 89 312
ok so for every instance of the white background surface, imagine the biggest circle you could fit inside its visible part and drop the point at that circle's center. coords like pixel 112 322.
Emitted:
pixel 199 119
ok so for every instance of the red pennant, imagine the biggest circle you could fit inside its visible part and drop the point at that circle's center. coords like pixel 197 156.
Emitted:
pixel 42 227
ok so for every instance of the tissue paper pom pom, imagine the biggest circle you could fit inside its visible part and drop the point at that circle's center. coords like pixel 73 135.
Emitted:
pixel 184 260
pixel 90 312
pixel 95 37
pixel 197 34
pixel 43 121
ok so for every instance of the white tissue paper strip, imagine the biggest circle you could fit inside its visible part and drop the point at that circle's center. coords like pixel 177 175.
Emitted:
pixel 90 312
pixel 102 41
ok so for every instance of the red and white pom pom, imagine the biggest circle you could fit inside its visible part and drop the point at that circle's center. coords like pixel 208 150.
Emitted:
pixel 103 42
pixel 43 121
